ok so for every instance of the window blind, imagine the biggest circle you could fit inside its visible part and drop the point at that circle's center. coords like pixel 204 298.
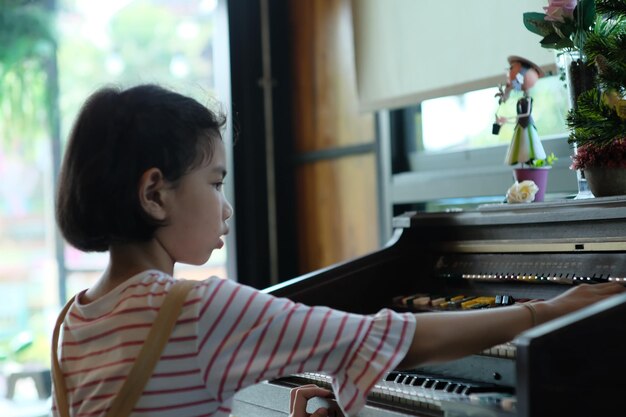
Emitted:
pixel 407 51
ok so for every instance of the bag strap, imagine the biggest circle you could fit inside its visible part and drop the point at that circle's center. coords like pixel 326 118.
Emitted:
pixel 147 359
pixel 60 391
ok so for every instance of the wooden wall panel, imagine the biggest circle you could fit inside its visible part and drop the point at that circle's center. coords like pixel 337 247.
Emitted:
pixel 325 95
pixel 337 210
pixel 337 207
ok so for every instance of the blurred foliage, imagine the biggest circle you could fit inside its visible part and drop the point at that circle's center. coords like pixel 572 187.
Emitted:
pixel 139 42
pixel 169 42
pixel 28 43
pixel 599 119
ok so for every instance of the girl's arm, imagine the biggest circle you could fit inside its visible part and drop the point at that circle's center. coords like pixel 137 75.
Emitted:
pixel 451 335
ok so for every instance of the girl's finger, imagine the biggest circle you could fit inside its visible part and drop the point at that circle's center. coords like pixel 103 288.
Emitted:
pixel 301 395
pixel 320 412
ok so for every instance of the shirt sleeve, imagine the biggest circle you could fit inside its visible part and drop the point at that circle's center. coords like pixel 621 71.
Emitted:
pixel 246 336
pixel 379 352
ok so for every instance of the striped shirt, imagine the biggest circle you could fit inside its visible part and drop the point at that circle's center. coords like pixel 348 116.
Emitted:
pixel 227 337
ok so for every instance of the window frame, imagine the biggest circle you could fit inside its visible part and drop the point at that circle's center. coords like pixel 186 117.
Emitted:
pixel 479 175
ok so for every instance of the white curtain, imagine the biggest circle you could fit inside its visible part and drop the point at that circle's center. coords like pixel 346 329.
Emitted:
pixel 407 51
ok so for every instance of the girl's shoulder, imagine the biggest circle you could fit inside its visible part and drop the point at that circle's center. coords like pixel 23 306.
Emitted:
pixel 161 281
pixel 147 290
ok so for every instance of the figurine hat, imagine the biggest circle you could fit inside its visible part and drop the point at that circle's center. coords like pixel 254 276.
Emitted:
pixel 524 61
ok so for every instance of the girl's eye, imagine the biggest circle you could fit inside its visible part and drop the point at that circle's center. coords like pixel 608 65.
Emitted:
pixel 218 185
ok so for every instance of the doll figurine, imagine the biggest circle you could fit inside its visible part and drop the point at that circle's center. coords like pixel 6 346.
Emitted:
pixel 526 144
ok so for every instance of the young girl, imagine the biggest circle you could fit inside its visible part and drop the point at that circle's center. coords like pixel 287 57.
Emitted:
pixel 142 179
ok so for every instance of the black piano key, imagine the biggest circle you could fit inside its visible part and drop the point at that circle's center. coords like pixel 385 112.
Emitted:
pixel 418 381
pixel 461 389
pixel 391 376
pixel 400 378
pixel 428 383
pixel 450 387
pixel 408 380
pixel 439 385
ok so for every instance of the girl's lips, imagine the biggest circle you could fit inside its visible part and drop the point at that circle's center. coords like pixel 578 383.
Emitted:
pixel 220 244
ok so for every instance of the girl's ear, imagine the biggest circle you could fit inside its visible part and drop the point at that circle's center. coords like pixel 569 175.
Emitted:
pixel 152 190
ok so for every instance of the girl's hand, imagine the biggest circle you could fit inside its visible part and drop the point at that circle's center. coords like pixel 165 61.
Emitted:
pixel 578 297
pixel 300 396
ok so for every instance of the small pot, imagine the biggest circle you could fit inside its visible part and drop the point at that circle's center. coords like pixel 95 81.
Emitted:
pixel 537 175
pixel 605 182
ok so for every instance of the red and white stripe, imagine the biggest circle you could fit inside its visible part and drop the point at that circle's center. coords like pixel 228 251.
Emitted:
pixel 228 336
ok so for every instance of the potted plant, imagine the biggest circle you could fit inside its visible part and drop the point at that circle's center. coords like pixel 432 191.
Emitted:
pixel 604 166
pixel 565 27
pixel 598 121
pixel 531 181
pixel 536 171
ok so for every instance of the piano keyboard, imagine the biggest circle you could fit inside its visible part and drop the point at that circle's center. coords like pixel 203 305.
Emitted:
pixel 420 394
pixel 505 350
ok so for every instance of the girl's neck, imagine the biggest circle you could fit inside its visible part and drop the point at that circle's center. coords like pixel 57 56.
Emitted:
pixel 126 261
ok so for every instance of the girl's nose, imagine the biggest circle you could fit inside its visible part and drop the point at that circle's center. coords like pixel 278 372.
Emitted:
pixel 228 210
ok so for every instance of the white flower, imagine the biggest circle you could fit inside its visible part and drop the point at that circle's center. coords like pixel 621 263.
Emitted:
pixel 522 192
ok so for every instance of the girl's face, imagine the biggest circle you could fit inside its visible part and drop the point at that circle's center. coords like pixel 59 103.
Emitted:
pixel 197 212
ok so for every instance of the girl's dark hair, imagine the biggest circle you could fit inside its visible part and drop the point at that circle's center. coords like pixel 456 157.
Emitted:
pixel 118 135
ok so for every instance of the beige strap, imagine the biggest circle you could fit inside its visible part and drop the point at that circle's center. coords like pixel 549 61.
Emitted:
pixel 60 391
pixel 147 359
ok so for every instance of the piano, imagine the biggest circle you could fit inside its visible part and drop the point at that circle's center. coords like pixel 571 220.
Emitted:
pixel 573 366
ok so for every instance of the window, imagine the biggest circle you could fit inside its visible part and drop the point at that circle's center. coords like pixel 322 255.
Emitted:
pixel 27 265
pixel 443 153
pixel 463 122
pixel 124 42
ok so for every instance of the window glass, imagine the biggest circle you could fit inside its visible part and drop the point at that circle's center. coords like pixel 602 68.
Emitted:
pixel 125 42
pixel 170 42
pixel 27 263
pixel 463 122
pixel 443 152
